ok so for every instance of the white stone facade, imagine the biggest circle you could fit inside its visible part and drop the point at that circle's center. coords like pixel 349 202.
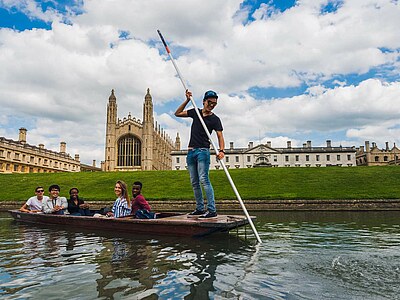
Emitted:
pixel 264 155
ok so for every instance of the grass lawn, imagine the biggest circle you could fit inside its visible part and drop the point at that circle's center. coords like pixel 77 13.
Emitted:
pixel 260 183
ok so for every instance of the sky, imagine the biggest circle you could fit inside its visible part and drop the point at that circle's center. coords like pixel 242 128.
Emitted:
pixel 284 70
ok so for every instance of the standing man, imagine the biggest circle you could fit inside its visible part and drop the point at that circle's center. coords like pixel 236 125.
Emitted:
pixel 198 157
pixel 35 204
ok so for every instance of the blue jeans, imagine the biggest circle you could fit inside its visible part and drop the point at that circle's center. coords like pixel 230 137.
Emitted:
pixel 198 161
pixel 83 212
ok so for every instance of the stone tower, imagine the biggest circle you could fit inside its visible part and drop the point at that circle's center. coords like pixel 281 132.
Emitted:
pixel 148 129
pixel 177 142
pixel 109 163
pixel 135 145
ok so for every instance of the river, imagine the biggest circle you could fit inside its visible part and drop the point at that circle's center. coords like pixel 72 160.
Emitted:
pixel 304 255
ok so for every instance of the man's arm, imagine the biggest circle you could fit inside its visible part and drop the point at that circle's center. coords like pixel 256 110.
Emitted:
pixel 221 144
pixel 24 208
pixel 64 203
pixel 46 208
pixel 143 203
pixel 180 112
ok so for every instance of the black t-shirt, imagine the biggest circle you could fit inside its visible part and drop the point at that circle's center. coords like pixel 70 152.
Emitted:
pixel 74 208
pixel 198 137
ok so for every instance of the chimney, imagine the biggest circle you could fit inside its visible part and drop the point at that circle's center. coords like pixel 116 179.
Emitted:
pixel 289 144
pixel 308 144
pixel 63 147
pixel 231 145
pixel 76 157
pixel 328 143
pixel 373 144
pixel 361 148
pixel 304 145
pixel 22 135
pixel 94 163
pixel 367 146
pixel 387 146
pixel 250 144
pixel 41 146
pixel 269 144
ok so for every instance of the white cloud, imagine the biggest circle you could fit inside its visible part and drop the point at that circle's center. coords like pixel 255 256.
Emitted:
pixel 372 103
pixel 61 78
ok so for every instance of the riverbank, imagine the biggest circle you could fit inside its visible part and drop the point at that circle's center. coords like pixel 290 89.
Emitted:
pixel 265 184
pixel 255 205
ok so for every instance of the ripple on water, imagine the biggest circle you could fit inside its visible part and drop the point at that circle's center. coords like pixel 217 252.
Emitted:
pixel 298 259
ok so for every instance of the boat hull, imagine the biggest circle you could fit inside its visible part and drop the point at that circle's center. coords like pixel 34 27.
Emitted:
pixel 167 224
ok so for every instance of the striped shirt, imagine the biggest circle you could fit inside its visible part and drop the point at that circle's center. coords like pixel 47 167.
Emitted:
pixel 120 208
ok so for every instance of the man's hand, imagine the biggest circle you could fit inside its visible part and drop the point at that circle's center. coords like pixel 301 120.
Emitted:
pixel 221 154
pixel 188 95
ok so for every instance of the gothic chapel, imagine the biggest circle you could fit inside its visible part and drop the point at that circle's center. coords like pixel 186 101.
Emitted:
pixel 134 145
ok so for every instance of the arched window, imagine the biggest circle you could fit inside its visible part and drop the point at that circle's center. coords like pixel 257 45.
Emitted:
pixel 261 161
pixel 129 151
pixel 376 158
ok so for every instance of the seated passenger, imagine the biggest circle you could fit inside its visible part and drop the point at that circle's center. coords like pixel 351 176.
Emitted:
pixel 140 207
pixel 122 206
pixel 76 205
pixel 55 204
pixel 35 204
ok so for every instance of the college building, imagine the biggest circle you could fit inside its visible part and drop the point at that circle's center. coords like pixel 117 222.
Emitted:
pixel 135 145
pixel 264 155
pixel 373 156
pixel 21 157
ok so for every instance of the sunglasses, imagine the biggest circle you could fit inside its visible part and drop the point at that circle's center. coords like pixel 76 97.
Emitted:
pixel 212 103
pixel 40 191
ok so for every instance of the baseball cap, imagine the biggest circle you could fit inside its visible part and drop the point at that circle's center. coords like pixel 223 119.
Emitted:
pixel 210 94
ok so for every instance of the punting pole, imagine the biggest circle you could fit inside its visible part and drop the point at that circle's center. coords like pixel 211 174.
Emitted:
pixel 211 140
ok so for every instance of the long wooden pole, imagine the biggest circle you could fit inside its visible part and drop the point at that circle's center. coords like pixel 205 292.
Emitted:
pixel 211 140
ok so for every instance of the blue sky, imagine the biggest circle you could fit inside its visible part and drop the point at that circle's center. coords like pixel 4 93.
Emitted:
pixel 285 70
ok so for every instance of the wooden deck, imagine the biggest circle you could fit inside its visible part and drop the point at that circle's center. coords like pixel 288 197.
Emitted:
pixel 166 223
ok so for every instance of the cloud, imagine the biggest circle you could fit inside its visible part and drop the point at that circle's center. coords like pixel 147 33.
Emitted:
pixel 60 79
pixel 371 103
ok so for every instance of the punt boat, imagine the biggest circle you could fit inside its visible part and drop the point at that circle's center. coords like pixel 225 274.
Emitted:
pixel 166 223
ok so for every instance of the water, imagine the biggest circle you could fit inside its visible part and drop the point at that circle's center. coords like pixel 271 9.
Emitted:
pixel 304 255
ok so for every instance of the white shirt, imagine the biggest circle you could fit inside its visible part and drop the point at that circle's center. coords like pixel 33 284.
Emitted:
pixel 35 204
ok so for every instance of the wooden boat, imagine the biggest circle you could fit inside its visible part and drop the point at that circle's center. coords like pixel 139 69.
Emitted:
pixel 176 224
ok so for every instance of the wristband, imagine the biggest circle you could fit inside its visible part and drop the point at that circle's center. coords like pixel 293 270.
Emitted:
pixel 221 151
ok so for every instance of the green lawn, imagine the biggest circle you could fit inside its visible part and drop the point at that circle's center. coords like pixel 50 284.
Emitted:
pixel 261 183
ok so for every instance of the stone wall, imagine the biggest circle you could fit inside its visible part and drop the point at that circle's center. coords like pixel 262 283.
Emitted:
pixel 254 205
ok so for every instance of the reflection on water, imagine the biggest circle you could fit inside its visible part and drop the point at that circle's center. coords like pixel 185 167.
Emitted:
pixel 304 255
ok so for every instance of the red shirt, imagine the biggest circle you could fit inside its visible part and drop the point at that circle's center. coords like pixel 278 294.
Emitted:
pixel 139 203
